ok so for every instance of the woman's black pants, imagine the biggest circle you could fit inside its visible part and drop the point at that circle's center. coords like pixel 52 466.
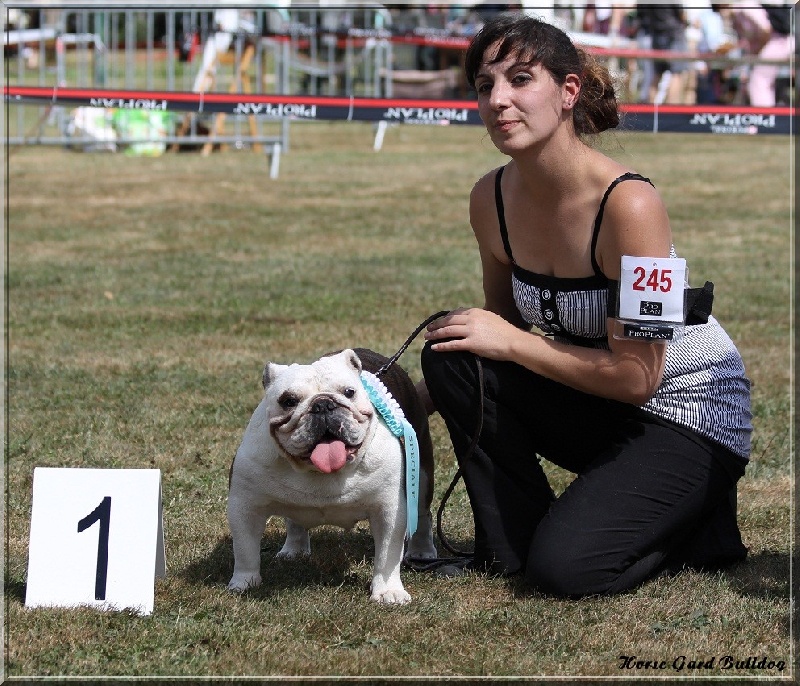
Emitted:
pixel 649 496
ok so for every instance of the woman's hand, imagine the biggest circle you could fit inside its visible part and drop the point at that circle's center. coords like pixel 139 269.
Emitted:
pixel 474 330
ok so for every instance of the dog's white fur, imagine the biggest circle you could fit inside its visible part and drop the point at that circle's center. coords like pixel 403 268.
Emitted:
pixel 272 475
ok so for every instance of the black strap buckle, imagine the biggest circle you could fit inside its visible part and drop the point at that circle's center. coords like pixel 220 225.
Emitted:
pixel 697 303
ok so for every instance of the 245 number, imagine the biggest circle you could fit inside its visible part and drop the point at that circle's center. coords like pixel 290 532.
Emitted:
pixel 656 280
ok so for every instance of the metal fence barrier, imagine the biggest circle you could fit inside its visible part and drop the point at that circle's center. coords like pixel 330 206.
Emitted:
pixel 260 51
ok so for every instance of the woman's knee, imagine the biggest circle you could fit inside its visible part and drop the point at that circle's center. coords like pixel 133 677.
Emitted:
pixel 430 362
pixel 562 567
pixel 553 573
pixel 572 569
pixel 446 372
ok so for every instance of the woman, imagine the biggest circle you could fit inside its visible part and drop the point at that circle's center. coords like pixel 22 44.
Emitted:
pixel 658 434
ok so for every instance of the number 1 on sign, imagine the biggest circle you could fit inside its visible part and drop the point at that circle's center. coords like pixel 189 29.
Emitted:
pixel 102 514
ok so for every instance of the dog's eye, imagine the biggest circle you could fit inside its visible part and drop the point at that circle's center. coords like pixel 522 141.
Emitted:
pixel 287 401
pixel 349 393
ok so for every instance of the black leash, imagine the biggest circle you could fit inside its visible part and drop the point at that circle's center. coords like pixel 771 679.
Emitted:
pixel 467 455
pixel 405 345
pixel 424 565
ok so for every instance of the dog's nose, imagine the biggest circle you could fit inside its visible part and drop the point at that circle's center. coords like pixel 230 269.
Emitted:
pixel 321 405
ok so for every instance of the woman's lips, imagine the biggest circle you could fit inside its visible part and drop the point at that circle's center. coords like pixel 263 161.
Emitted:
pixel 505 124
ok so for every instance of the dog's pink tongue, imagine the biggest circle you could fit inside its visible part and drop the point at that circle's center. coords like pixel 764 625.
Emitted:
pixel 329 456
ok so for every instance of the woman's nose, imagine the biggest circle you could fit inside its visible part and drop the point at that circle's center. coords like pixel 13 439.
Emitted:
pixel 499 95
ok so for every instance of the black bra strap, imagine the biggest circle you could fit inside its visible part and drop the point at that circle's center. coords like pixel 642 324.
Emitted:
pixel 501 215
pixel 599 218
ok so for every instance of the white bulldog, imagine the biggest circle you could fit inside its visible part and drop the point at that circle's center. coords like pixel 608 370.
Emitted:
pixel 317 452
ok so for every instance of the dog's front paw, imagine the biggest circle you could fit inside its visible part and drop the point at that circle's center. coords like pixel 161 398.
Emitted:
pixel 388 591
pixel 239 583
pixel 391 596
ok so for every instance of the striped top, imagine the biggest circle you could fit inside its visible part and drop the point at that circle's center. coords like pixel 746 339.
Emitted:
pixel 704 387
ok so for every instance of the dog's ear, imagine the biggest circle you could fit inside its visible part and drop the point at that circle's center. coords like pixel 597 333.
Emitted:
pixel 352 359
pixel 271 370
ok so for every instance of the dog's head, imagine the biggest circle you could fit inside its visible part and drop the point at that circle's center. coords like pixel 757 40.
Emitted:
pixel 319 414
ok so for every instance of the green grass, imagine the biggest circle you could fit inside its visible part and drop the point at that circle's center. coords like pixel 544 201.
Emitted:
pixel 144 296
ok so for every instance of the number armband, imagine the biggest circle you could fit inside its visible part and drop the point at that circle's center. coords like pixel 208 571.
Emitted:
pixel 653 302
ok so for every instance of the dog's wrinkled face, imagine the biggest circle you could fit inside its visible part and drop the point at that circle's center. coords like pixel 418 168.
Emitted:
pixel 319 414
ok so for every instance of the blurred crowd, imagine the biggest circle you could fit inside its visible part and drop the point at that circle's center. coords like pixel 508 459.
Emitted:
pixel 742 35
pixel 651 48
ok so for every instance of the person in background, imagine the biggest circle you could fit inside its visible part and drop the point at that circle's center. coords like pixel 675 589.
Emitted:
pixel 764 31
pixel 657 433
pixel 665 26
pixel 227 23
pixel 597 17
pixel 713 38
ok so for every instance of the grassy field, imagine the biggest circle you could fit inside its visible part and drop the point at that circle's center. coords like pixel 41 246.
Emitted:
pixel 145 294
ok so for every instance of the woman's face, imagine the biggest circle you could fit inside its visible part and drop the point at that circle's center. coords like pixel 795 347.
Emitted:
pixel 519 103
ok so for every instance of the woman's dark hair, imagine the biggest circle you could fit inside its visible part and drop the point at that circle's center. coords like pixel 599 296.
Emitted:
pixel 537 42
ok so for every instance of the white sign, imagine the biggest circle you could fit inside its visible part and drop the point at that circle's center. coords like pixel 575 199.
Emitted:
pixel 97 538
pixel 652 289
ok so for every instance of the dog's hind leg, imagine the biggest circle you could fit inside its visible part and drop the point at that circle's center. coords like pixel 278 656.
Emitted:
pixel 297 543
pixel 421 545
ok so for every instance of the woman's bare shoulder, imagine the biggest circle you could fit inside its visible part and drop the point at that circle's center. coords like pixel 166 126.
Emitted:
pixel 484 186
pixel 636 222
pixel 482 205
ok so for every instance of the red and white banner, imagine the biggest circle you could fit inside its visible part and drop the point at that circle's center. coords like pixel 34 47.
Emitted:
pixel 718 119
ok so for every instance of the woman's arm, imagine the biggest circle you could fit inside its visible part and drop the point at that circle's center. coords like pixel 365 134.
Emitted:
pixel 495 265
